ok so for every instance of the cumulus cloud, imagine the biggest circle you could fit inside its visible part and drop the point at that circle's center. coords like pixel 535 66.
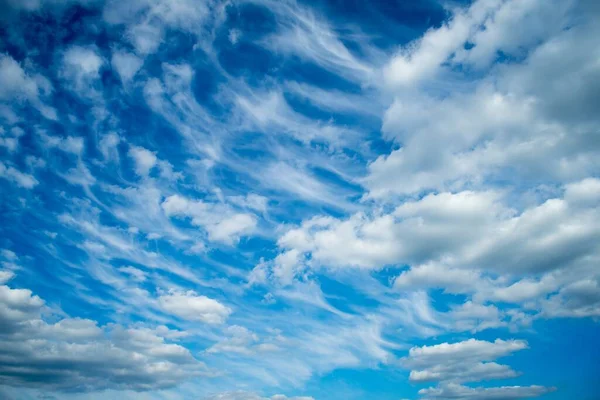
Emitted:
pixel 73 354
pixel 460 241
pixel 191 306
pixel 519 116
pixel 488 27
pixel 467 361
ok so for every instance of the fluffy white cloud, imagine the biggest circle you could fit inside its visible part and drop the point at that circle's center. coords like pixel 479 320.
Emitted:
pixel 461 242
pixel 468 361
pixel 421 59
pixel 517 118
pixel 75 354
pixel 465 352
pixel 190 306
pixel 487 26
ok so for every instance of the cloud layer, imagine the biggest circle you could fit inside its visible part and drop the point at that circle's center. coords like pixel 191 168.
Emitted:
pixel 238 199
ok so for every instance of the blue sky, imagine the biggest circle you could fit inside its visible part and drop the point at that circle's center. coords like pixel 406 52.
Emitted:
pixel 281 200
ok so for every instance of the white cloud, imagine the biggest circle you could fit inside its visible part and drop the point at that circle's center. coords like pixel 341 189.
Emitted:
pixel 17 85
pixel 144 160
pixel 308 36
pixel 488 27
pixel 70 144
pixel 222 223
pixel 6 276
pixel 252 396
pixel 126 65
pixel 519 116
pixel 270 111
pixel 468 361
pixel 251 201
pixel 451 233
pixel 134 273
pixel 14 81
pixel 147 21
pixel 465 352
pixel 230 229
pixel 81 70
pixel 421 59
pixel 239 340
pixel 14 175
pixel 108 146
pixel 74 354
pixel 430 275
pixel 190 306
pixel 459 392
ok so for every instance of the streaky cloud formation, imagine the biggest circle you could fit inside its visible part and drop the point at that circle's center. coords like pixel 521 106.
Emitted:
pixel 293 200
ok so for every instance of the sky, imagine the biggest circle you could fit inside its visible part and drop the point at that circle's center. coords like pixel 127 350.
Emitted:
pixel 299 200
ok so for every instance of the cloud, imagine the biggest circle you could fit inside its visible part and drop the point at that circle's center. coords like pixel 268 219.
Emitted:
pixel 450 239
pixel 303 33
pixel 282 190
pixel 518 116
pixel 5 276
pixel 421 59
pixel 108 146
pixel 270 111
pixel 72 354
pixel 460 354
pixel 252 396
pixel 190 306
pixel 144 160
pixel 17 85
pixel 222 223
pixel 81 70
pixel 126 65
pixel 145 22
pixel 229 230
pixel 21 179
pixel 579 299
pixel 454 391
pixel 467 361
pixel 487 26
